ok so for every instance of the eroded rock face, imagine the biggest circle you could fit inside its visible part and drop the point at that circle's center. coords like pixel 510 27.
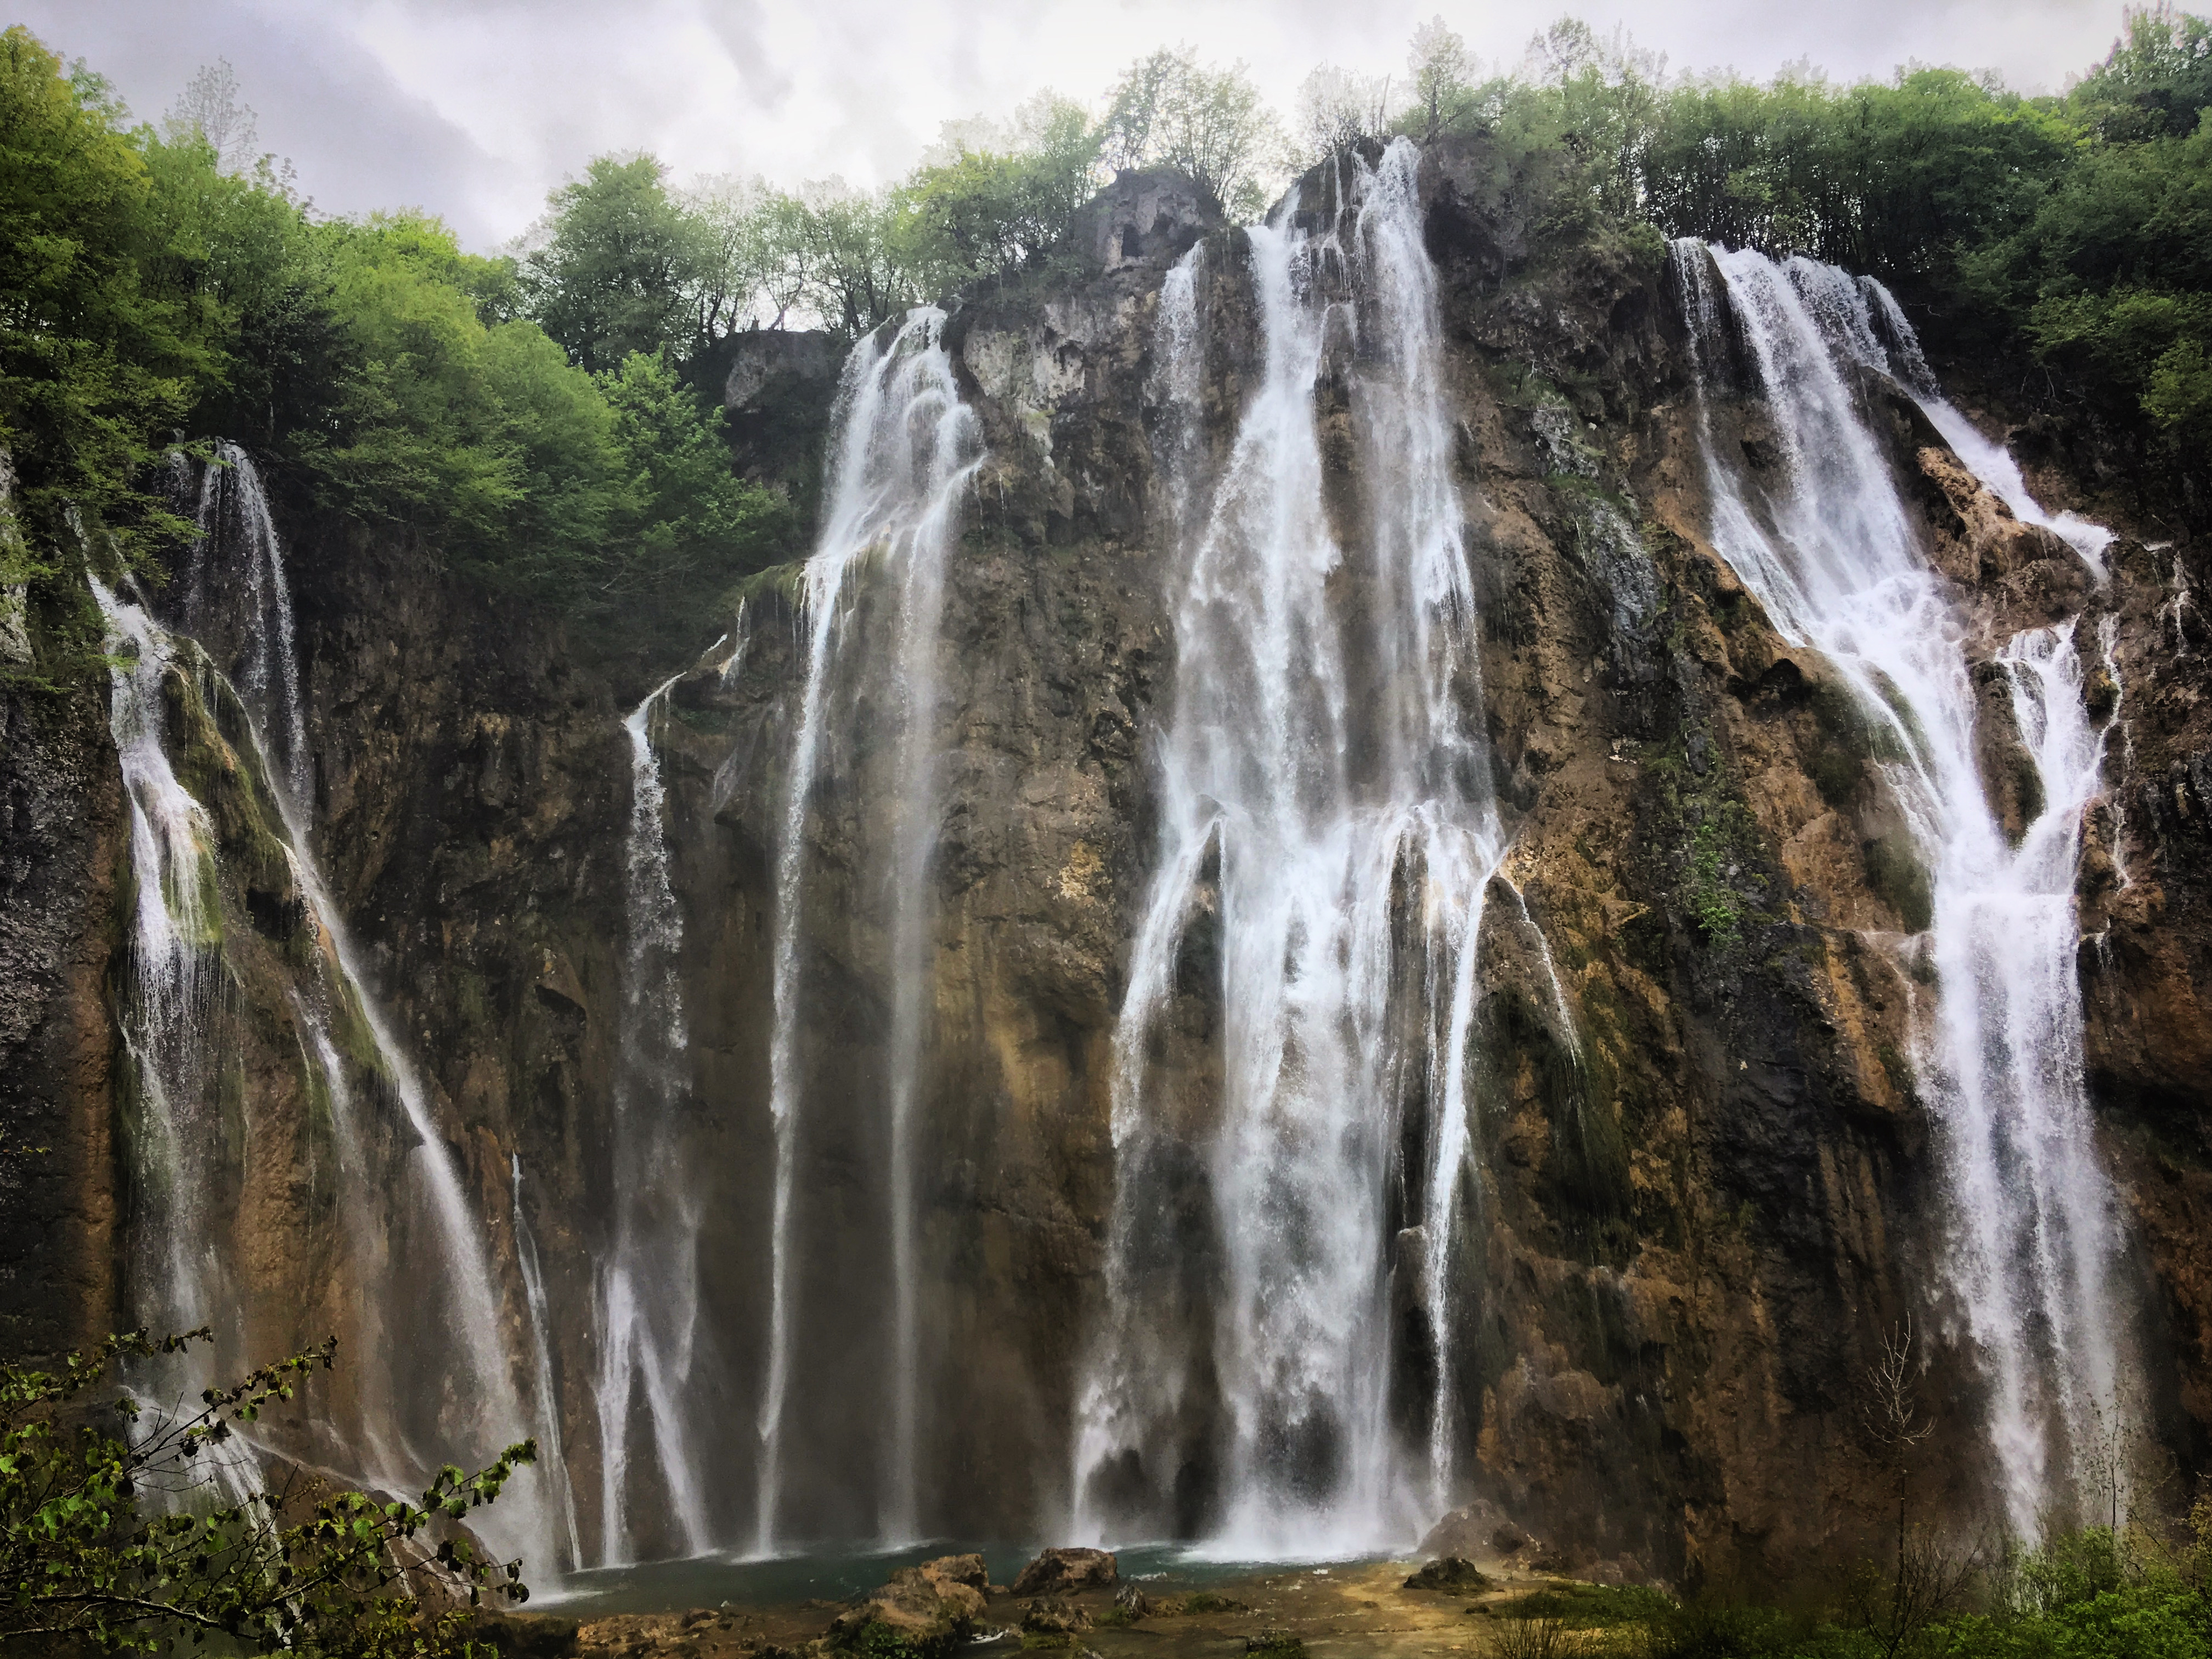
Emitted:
pixel 1702 1205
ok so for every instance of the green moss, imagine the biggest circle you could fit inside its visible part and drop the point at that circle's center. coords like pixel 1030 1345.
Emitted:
pixel 1837 774
pixel 1896 1067
pixel 1899 880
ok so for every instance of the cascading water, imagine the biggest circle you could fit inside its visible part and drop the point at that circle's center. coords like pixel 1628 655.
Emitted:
pixel 905 451
pixel 1319 774
pixel 553 1459
pixel 403 1223
pixel 231 515
pixel 1829 550
pixel 648 1298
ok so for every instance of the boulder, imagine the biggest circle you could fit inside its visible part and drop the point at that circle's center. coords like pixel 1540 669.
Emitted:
pixel 966 1570
pixel 1062 1572
pixel 1132 1603
pixel 1468 1533
pixel 927 1607
pixel 1449 1572
pixel 1050 1616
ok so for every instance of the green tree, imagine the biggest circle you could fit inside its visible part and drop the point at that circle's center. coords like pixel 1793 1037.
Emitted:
pixel 996 202
pixel 1169 110
pixel 619 260
pixel 681 529
pixel 1442 72
pixel 313 1571
pixel 93 359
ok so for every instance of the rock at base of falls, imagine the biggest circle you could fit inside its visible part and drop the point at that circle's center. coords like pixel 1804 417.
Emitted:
pixel 1064 1571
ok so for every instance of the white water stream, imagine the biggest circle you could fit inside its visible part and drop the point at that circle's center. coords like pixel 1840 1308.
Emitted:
pixel 1317 763
pixel 185 1150
pixel 905 449
pixel 1828 547
pixel 648 1310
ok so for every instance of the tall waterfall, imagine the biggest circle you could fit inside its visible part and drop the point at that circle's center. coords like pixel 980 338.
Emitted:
pixel 906 447
pixel 648 1308
pixel 1325 804
pixel 423 1378
pixel 1829 550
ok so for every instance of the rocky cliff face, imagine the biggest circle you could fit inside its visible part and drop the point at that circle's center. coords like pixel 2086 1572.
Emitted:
pixel 1709 1186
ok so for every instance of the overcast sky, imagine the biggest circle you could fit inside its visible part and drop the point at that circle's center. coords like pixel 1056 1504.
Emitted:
pixel 475 108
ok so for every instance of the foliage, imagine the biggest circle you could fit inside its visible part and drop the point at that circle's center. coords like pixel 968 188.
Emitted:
pixel 94 358
pixel 1169 110
pixel 618 262
pixel 2076 228
pixel 317 1572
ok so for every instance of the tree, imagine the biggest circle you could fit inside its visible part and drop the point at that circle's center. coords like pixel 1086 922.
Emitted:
pixel 1927 1575
pixel 682 530
pixel 93 359
pixel 990 201
pixel 730 267
pixel 1169 110
pixel 298 1569
pixel 1337 109
pixel 1441 70
pixel 2155 81
pixel 211 108
pixel 617 263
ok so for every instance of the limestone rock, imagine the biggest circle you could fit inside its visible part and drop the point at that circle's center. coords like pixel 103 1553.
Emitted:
pixel 1064 1571
pixel 1475 1530
pixel 928 1607
pixel 1051 1616
pixel 1449 1572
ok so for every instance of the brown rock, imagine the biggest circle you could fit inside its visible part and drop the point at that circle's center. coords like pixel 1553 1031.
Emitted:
pixel 927 1607
pixel 1449 1572
pixel 1050 1616
pixel 1066 1570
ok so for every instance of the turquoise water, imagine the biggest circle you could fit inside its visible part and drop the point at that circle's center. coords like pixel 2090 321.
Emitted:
pixel 830 1575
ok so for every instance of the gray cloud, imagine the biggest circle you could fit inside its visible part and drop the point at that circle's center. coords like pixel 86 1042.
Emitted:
pixel 475 108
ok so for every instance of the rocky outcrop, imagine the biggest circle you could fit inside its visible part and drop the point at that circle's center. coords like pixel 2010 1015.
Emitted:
pixel 1065 1571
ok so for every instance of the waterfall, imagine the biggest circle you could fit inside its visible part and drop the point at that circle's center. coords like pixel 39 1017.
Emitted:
pixel 417 1276
pixel 553 1459
pixel 904 450
pixel 648 1295
pixel 232 516
pixel 1831 551
pixel 1316 768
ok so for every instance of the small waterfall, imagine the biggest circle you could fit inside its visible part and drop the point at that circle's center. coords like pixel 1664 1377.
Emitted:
pixel 648 1295
pixel 1831 552
pixel 554 1461
pixel 232 515
pixel 1321 794
pixel 425 1371
pixel 905 449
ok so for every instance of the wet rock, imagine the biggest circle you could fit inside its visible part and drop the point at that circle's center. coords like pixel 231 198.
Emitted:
pixel 1449 1572
pixel 1051 1616
pixel 1470 1532
pixel 1132 1603
pixel 1064 1571
pixel 928 1608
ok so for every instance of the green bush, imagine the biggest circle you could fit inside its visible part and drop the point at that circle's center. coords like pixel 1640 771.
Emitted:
pixel 298 1570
